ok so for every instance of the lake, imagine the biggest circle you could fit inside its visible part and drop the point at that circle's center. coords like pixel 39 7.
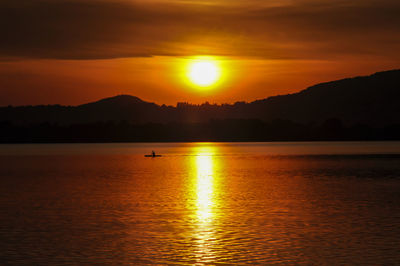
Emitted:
pixel 324 203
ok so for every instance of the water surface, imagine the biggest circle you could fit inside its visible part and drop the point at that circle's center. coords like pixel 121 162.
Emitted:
pixel 206 203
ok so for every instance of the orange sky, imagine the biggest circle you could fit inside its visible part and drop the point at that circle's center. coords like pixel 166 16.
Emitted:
pixel 76 51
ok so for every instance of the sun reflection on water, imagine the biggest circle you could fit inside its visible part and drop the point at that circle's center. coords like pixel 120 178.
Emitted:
pixel 205 202
pixel 204 188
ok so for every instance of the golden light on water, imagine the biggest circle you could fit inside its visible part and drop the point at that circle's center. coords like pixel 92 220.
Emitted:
pixel 205 202
pixel 204 163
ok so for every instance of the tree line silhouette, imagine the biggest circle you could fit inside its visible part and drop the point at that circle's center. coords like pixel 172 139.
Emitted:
pixel 213 130
pixel 361 108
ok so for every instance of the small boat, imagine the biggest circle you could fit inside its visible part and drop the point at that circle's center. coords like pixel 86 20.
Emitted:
pixel 152 155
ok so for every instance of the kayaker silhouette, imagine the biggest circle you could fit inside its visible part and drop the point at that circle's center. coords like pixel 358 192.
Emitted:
pixel 153 153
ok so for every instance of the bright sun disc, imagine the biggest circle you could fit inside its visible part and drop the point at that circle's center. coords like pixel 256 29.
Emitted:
pixel 203 73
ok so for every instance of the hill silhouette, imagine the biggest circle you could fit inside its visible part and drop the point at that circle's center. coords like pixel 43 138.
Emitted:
pixel 368 102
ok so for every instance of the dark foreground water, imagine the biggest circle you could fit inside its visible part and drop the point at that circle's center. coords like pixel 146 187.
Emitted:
pixel 202 203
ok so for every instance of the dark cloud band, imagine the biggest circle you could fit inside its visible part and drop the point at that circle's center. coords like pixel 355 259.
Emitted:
pixel 113 29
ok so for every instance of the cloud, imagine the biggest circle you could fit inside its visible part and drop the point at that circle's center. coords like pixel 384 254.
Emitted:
pixel 82 29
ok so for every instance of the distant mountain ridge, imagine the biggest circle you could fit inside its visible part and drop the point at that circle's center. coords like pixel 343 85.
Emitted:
pixel 122 100
pixel 371 100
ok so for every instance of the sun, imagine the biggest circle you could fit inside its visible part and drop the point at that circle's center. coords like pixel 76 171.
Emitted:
pixel 203 72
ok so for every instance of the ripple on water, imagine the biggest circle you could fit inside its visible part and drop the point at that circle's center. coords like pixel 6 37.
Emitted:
pixel 205 204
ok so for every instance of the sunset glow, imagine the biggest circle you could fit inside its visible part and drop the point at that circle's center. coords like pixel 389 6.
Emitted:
pixel 165 52
pixel 203 73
